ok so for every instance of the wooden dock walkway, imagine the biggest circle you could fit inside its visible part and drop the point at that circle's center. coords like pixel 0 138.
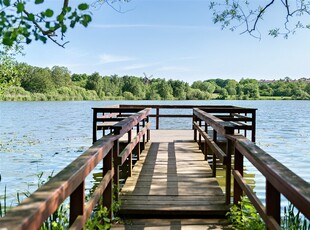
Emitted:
pixel 172 181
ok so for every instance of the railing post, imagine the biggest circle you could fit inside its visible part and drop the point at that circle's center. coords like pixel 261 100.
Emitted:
pixel 199 136
pixel 239 167
pixel 205 146
pixel 229 152
pixel 148 133
pixel 108 192
pixel 129 160
pixel 143 138
pixel 94 125
pixel 254 126
pixel 157 118
pixel 137 148
pixel 116 163
pixel 273 202
pixel 195 130
pixel 77 200
pixel 213 155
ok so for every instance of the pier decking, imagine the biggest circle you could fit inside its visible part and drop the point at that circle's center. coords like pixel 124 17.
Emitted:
pixel 172 180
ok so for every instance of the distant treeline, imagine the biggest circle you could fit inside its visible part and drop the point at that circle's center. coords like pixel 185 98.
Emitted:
pixel 28 83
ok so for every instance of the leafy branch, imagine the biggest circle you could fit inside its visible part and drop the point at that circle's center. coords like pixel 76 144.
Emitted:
pixel 235 14
pixel 19 24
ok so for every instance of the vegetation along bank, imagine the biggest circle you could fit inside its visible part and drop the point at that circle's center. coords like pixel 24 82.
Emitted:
pixel 23 82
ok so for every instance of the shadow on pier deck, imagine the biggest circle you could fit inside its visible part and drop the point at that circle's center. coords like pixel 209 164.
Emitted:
pixel 172 180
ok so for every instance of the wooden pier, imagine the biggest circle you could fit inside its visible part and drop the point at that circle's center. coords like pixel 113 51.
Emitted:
pixel 167 178
pixel 172 181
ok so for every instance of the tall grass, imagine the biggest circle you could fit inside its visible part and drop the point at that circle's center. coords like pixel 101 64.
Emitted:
pixel 72 93
pixel 244 216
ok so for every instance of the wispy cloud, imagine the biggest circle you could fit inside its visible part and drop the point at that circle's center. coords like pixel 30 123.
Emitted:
pixel 107 58
pixel 150 26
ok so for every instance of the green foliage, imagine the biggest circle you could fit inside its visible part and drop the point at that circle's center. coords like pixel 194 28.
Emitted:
pixel 99 219
pixel 57 83
pixel 8 68
pixel 248 15
pixel 58 220
pixel 244 216
pixel 19 22
pixel 293 220
pixel 3 207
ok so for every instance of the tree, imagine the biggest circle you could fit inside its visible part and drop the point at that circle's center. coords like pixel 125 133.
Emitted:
pixel 8 70
pixel 307 89
pixel 249 88
pixel 249 14
pixel 37 80
pixel 179 89
pixel 95 82
pixel 19 22
pixel 61 76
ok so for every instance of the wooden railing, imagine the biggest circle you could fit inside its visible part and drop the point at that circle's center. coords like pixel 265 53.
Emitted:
pixel 70 182
pixel 279 179
pixel 245 118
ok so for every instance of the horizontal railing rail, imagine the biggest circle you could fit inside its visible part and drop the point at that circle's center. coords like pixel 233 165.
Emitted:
pixel 70 182
pixel 223 109
pixel 279 179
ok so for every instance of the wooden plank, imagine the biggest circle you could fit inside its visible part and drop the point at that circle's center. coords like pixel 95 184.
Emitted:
pixel 172 179
pixel 168 224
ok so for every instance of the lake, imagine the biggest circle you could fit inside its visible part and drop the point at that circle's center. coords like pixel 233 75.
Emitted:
pixel 44 137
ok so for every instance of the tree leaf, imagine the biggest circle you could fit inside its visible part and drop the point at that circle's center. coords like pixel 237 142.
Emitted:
pixel 49 13
pixel 31 17
pixel 7 2
pixel 83 6
pixel 20 7
pixel 63 28
pixel 38 1
pixel 7 41
pixel 60 17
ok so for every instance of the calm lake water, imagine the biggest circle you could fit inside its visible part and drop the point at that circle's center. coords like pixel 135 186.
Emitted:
pixel 44 137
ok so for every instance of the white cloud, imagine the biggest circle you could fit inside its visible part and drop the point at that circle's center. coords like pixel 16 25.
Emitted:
pixel 106 58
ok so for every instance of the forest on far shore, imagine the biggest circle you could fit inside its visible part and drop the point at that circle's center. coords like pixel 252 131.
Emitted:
pixel 23 82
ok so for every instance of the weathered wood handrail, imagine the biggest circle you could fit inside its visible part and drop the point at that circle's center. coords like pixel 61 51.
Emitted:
pixel 35 209
pixel 279 179
pixel 209 108
pixel 218 124
pixel 209 142
pixel 70 182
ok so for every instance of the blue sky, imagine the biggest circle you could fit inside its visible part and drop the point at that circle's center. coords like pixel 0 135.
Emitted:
pixel 173 39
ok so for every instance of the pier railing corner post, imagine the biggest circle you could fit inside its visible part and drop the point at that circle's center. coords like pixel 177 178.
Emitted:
pixel 108 192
